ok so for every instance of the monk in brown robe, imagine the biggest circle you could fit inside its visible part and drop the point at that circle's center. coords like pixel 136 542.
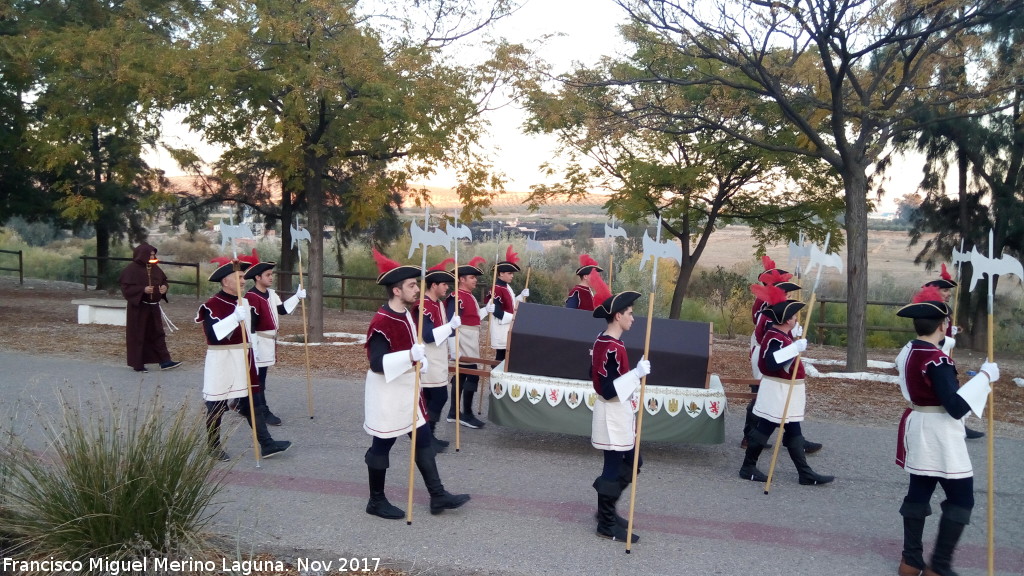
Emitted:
pixel 143 285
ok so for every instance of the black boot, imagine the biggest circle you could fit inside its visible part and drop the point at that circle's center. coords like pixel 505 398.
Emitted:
pixel 440 499
pixel 756 441
pixel 808 477
pixel 608 492
pixel 951 527
pixel 914 514
pixel 468 419
pixel 451 403
pixel 268 446
pixel 438 444
pixel 377 466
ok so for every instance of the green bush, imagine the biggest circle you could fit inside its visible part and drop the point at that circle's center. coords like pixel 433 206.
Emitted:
pixel 119 482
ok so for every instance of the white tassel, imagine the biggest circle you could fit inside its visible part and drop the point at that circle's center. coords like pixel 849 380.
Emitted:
pixel 169 326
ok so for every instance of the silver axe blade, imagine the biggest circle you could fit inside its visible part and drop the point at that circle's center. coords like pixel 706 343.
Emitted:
pixel 425 238
pixel 534 245
pixel 231 232
pixel 797 252
pixel 653 249
pixel 960 257
pixel 816 257
pixel 459 231
pixel 614 231
pixel 1001 266
pixel 297 235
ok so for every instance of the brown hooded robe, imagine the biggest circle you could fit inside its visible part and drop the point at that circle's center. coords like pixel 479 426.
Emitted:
pixel 144 331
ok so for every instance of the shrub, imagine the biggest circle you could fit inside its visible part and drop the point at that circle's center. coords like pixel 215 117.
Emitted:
pixel 120 483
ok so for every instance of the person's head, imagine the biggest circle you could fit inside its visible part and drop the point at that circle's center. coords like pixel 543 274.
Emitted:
pixel 509 266
pixel 469 273
pixel 262 275
pixel 226 277
pixel 506 276
pixel 617 310
pixel 439 280
pixel 780 311
pixel 405 292
pixel 394 277
pixel 437 289
pixel 587 265
pixel 929 312
pixel 944 283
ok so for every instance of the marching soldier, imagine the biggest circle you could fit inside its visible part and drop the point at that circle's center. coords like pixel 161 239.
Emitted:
pixel 469 338
pixel 581 296
pixel 930 444
pixel 946 284
pixel 614 428
pixel 269 308
pixel 502 304
pixel 776 362
pixel 229 362
pixel 393 352
pixel 437 329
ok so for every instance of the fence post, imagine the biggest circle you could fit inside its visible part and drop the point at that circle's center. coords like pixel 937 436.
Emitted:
pixel 342 292
pixel 821 320
pixel 197 281
pixel 21 269
pixel 85 272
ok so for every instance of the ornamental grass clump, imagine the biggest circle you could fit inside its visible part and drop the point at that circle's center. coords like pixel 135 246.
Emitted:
pixel 116 483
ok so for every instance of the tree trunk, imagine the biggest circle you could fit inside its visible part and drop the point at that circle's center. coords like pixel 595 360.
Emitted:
pixel 856 268
pixel 679 292
pixel 315 278
pixel 102 253
pixel 284 281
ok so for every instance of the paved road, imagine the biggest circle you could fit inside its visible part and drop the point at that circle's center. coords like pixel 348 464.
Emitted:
pixel 532 504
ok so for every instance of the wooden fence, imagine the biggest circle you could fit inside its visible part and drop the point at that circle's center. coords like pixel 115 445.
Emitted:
pixel 86 276
pixel 822 326
pixel 345 280
pixel 21 265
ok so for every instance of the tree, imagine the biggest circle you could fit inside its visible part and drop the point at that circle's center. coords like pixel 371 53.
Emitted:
pixel 841 73
pixel 344 114
pixel 636 139
pixel 94 80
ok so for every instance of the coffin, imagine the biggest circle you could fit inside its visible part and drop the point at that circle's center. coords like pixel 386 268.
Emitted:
pixel 555 342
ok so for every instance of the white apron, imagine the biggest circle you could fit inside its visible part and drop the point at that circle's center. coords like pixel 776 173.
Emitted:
pixel 755 353
pixel 469 341
pixel 437 366
pixel 934 444
pixel 771 399
pixel 266 340
pixel 388 406
pixel 614 425
pixel 225 373
pixel 499 333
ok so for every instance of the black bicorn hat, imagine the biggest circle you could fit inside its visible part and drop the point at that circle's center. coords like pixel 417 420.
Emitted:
pixel 257 269
pixel 472 268
pixel 438 274
pixel 509 264
pixel 928 303
pixel 779 313
pixel 392 272
pixel 789 286
pixel 616 303
pixel 226 270
pixel 587 265
pixel 945 279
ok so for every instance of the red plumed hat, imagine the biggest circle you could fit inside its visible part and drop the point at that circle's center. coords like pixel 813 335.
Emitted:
pixel 509 264
pixel 440 273
pixel 391 272
pixel 945 280
pixel 768 294
pixel 475 267
pixel 772 271
pixel 587 265
pixel 927 303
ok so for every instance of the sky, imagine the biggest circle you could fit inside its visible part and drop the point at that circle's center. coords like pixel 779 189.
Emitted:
pixel 588 31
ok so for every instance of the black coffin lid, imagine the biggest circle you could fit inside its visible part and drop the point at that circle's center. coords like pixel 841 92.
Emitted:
pixel 555 342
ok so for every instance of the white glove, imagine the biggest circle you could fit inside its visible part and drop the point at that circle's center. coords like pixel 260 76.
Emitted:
pixel 643 368
pixel 801 344
pixel 423 366
pixel 524 295
pixel 455 323
pixel 787 353
pixel 797 330
pixel 418 351
pixel 992 369
pixel 300 293
pixel 242 313
pixel 953 331
pixel 490 307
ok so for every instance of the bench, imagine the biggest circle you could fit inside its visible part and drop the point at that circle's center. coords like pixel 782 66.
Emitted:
pixel 485 372
pixel 113 311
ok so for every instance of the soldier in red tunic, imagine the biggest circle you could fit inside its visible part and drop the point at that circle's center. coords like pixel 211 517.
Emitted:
pixel 614 429
pixel 228 360
pixel 779 370
pixel 393 352
pixel 503 305
pixel 469 339
pixel 581 296
pixel 438 329
pixel 269 308
pixel 946 284
pixel 930 444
